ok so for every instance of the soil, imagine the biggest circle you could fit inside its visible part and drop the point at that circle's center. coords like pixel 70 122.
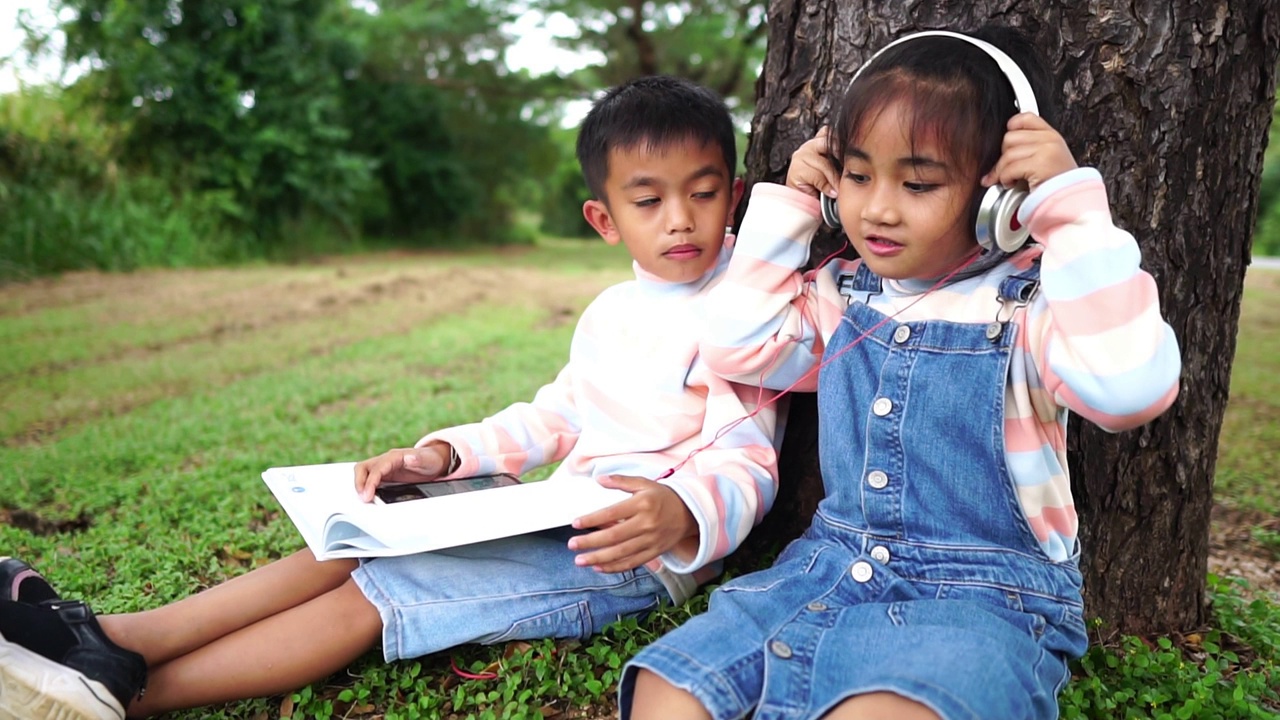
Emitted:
pixel 1234 550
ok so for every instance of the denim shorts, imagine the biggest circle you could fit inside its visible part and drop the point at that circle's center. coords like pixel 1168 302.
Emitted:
pixel 795 640
pixel 518 588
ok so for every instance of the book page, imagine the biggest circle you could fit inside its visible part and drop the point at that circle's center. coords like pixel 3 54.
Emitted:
pixel 310 494
pixel 323 497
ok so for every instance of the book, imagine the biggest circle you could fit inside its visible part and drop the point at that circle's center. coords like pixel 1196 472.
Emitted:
pixel 321 501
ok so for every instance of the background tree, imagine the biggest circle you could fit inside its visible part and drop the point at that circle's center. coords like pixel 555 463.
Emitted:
pixel 237 94
pixel 456 133
pixel 718 43
pixel 1171 101
pixel 310 116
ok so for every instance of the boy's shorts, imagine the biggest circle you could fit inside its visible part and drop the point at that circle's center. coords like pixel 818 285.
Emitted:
pixel 519 588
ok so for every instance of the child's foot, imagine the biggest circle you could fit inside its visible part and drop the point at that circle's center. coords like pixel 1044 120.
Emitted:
pixel 19 582
pixel 95 679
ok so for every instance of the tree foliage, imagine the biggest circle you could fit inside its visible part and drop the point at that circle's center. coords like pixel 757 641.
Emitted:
pixel 718 43
pixel 279 125
pixel 396 119
pixel 233 94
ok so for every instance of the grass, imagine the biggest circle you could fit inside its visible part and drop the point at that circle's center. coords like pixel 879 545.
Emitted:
pixel 139 411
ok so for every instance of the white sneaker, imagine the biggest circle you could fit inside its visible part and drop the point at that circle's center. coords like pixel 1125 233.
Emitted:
pixel 33 687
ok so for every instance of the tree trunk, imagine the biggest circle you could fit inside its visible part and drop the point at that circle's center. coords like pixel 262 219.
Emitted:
pixel 1171 100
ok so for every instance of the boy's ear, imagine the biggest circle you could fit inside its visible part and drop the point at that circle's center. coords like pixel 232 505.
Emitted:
pixel 738 188
pixel 598 217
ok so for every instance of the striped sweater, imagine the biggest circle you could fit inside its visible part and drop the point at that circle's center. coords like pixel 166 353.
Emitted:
pixel 1093 341
pixel 635 399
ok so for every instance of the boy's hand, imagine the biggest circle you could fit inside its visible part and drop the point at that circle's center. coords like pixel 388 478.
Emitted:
pixel 1032 151
pixel 652 521
pixel 401 465
pixel 811 170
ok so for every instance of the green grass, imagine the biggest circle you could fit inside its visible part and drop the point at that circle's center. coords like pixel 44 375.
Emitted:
pixel 139 412
pixel 1249 451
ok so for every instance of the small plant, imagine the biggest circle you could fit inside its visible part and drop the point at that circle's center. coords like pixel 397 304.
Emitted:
pixel 1268 539
pixel 1229 671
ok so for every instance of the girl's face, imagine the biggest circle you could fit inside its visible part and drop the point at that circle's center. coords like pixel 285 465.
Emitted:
pixel 905 211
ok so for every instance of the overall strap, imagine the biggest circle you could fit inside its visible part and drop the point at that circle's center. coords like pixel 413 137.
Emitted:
pixel 860 282
pixel 1022 287
pixel 1016 292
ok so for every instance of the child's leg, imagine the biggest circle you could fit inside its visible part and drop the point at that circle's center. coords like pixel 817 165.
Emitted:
pixel 176 629
pixel 277 654
pixel 877 705
pixel 656 699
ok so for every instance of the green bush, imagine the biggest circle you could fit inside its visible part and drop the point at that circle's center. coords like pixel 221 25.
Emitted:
pixel 65 204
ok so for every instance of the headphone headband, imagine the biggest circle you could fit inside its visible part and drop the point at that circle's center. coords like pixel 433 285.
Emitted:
pixel 1022 93
pixel 996 225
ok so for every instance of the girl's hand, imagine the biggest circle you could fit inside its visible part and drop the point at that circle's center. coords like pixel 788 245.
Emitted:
pixel 633 532
pixel 1032 151
pixel 811 170
pixel 401 465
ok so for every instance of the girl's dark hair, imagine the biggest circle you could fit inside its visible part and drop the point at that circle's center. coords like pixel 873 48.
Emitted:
pixel 654 112
pixel 956 94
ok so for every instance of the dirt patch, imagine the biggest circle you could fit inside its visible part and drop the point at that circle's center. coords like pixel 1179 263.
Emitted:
pixel 171 319
pixel 220 305
pixel 39 525
pixel 1234 550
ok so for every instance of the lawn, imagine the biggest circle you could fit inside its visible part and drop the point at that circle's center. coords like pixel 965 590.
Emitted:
pixel 140 410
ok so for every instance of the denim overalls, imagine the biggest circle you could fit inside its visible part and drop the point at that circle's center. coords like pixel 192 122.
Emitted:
pixel 920 574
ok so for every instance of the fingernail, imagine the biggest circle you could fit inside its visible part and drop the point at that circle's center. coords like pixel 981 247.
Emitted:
pixel 831 193
pixel 410 459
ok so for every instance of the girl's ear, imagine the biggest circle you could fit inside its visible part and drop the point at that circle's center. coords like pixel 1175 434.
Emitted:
pixel 598 217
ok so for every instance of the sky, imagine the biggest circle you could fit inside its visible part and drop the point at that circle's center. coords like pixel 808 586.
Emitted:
pixel 533 49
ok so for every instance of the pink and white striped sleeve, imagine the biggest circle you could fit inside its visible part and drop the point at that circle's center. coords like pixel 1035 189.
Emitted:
pixel 521 437
pixel 767 322
pixel 1100 343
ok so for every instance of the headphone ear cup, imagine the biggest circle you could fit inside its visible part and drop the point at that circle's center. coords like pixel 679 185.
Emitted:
pixel 830 211
pixel 997 224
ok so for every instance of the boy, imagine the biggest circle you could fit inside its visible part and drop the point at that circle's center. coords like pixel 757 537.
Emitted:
pixel 634 409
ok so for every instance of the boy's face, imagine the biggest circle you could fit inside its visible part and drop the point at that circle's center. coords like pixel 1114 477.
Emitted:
pixel 668 205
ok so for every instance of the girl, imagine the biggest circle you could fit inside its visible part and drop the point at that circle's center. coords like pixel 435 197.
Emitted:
pixel 939 576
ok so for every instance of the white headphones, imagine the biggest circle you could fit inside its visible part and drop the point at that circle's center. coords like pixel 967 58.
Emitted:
pixel 997 224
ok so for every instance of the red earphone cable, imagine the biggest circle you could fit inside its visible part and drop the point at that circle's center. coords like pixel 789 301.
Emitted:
pixel 762 404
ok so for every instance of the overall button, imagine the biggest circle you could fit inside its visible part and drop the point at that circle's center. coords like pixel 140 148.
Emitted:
pixel 877 479
pixel 781 649
pixel 882 406
pixel 816 606
pixel 901 334
pixel 881 554
pixel 994 330
pixel 861 571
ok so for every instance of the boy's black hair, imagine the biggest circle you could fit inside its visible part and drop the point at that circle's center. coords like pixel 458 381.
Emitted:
pixel 957 93
pixel 655 111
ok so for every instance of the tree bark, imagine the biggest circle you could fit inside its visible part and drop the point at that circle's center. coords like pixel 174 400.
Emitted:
pixel 1171 100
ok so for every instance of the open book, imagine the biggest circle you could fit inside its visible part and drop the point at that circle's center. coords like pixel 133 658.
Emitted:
pixel 321 501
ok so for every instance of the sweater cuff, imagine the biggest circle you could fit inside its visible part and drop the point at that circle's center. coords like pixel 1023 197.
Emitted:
pixel 1053 185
